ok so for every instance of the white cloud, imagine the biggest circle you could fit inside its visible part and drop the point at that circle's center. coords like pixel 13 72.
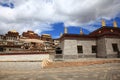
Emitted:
pixel 37 15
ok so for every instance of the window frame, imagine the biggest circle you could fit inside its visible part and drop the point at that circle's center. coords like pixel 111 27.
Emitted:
pixel 94 47
pixel 115 47
pixel 79 49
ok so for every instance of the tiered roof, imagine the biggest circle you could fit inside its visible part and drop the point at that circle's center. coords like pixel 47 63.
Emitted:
pixel 101 32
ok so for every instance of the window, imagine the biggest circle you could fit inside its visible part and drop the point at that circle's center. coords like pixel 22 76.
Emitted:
pixel 1 49
pixel 115 47
pixel 94 49
pixel 80 49
pixel 58 50
pixel 9 49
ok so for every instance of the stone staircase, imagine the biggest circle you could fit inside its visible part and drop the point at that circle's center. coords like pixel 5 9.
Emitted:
pixel 57 64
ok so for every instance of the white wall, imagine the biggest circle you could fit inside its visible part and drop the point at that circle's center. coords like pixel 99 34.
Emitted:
pixel 109 42
pixel 31 57
pixel 70 47
pixel 101 47
pixel 87 45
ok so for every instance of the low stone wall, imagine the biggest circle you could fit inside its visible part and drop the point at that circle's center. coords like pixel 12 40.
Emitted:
pixel 112 56
pixel 87 56
pixel 80 63
pixel 70 56
pixel 79 56
pixel 24 57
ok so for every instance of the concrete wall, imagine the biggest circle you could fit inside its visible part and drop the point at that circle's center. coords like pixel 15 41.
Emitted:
pixel 109 48
pixel 87 46
pixel 31 57
pixel 104 48
pixel 70 48
pixel 101 48
pixel 62 45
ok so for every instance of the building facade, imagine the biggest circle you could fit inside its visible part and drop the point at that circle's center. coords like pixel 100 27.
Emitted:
pixel 31 35
pixel 102 43
pixel 28 41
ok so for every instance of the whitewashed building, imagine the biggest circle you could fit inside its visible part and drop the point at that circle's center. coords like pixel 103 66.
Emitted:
pixel 103 43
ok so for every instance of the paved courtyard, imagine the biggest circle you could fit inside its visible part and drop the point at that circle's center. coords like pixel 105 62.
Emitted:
pixel 109 71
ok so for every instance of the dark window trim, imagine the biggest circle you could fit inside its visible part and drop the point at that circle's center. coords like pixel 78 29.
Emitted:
pixel 80 49
pixel 115 47
pixel 94 49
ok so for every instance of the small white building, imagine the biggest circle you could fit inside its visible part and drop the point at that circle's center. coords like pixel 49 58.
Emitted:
pixel 103 43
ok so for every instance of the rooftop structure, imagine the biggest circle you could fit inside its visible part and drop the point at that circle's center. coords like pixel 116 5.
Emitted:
pixel 30 35
pixel 103 42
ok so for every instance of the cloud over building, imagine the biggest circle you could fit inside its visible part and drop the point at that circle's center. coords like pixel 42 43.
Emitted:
pixel 38 15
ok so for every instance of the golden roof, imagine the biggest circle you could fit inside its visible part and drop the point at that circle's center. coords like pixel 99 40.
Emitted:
pixel 14 31
pixel 31 33
pixel 47 35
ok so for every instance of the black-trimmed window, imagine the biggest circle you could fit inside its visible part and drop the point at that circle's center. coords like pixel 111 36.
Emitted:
pixel 115 47
pixel 80 49
pixel 94 49
pixel 1 49
pixel 9 49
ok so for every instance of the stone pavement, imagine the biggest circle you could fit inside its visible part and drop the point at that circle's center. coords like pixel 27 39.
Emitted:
pixel 109 71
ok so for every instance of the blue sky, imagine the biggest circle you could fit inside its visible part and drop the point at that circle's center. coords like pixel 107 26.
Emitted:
pixel 58 28
pixel 51 16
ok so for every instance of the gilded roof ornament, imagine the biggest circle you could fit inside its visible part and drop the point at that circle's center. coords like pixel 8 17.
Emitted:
pixel 103 23
pixel 115 24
